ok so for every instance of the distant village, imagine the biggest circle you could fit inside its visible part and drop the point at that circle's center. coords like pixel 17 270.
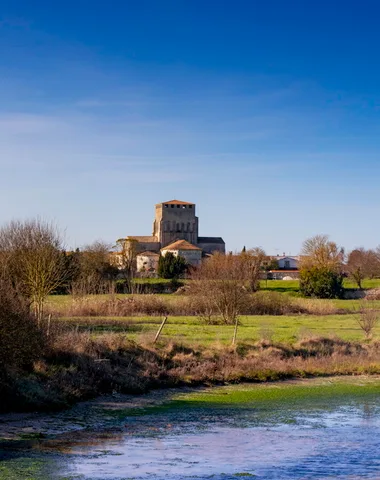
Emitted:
pixel 176 230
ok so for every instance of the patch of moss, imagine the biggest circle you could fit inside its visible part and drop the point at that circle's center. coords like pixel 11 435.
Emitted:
pixel 269 395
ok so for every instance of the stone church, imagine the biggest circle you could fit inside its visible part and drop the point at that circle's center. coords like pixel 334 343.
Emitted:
pixel 174 220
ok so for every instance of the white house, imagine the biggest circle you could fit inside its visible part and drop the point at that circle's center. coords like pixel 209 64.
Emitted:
pixel 287 263
pixel 147 261
pixel 191 253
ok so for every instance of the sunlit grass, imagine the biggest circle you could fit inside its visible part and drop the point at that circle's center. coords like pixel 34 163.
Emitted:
pixel 192 331
pixel 293 285
pixel 284 392
pixel 265 397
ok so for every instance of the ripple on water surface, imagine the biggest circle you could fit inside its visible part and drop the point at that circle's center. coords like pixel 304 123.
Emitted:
pixel 339 441
pixel 275 432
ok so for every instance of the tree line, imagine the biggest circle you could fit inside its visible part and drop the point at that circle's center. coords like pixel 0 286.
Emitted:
pixel 35 263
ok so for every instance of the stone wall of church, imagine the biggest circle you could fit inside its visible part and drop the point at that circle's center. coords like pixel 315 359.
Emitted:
pixel 148 247
pixel 212 247
pixel 175 222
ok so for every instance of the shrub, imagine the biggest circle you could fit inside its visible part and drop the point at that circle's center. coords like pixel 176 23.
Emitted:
pixel 321 282
pixel 368 320
pixel 22 341
pixel 269 303
pixel 171 266
pixel 313 306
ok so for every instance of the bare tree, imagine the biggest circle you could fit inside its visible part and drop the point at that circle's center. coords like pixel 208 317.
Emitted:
pixel 319 251
pixel 373 263
pixel 128 250
pixel 21 340
pixel 252 262
pixel 368 320
pixel 363 264
pixel 221 285
pixel 32 257
pixel 356 266
pixel 96 274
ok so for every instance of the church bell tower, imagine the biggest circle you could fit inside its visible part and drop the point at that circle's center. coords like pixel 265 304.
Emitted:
pixel 175 220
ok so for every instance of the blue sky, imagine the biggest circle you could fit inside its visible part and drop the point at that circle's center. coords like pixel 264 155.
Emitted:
pixel 264 114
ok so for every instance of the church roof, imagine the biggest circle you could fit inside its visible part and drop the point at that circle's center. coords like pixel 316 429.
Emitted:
pixel 177 202
pixel 143 239
pixel 148 253
pixel 181 245
pixel 218 240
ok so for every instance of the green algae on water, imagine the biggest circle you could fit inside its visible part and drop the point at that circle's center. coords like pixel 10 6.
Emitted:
pixel 262 395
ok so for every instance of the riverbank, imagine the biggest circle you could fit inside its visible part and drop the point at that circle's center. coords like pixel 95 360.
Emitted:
pixel 79 366
pixel 104 414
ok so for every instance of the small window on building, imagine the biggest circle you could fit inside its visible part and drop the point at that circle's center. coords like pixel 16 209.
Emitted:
pixel 172 206
pixel 190 206
pixel 287 264
pixel 178 206
pixel 166 206
pixel 183 206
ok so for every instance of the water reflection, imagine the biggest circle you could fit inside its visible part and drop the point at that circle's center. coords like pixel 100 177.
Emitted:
pixel 309 439
pixel 331 442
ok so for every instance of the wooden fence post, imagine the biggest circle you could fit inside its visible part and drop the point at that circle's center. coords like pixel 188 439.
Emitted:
pixel 160 329
pixel 235 330
pixel 48 325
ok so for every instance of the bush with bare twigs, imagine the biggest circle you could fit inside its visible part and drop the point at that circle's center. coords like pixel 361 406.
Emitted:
pixel 321 268
pixel 368 320
pixel 32 258
pixel 198 303
pixel 221 282
pixel 79 365
pixel 21 342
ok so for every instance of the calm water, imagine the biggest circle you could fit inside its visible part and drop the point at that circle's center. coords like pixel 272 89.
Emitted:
pixel 327 438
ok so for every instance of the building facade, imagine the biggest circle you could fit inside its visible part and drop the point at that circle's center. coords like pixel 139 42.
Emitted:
pixel 147 261
pixel 287 262
pixel 182 248
pixel 174 220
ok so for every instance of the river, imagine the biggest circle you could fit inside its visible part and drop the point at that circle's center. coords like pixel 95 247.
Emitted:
pixel 314 429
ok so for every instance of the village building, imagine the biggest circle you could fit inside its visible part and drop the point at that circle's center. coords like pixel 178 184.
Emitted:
pixel 147 261
pixel 191 253
pixel 287 262
pixel 287 268
pixel 174 221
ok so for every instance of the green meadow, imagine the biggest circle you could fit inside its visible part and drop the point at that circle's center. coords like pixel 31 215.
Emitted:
pixel 292 286
pixel 192 331
pixel 338 318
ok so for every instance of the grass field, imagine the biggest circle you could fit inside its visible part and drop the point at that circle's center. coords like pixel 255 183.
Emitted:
pixel 92 350
pixel 330 318
pixel 293 285
pixel 191 330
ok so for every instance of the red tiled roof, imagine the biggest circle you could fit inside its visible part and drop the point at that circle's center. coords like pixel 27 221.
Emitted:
pixel 181 245
pixel 177 202
pixel 148 254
